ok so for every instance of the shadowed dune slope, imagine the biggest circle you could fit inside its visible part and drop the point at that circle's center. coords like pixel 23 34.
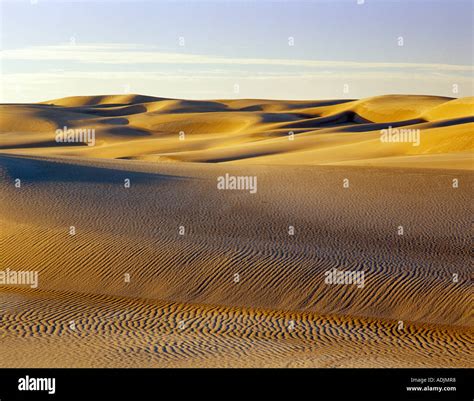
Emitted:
pixel 135 230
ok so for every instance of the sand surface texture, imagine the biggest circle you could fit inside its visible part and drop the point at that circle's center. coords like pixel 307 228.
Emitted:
pixel 173 272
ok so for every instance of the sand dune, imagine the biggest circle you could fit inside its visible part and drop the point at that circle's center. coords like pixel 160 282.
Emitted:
pixel 248 131
pixel 135 231
pixel 235 288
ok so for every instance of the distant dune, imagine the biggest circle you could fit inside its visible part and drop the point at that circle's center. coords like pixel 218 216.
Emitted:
pixel 214 277
pixel 335 132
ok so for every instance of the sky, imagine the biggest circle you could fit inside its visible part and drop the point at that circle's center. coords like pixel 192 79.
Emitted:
pixel 274 49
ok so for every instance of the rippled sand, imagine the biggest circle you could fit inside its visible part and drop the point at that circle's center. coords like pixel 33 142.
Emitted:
pixel 235 289
pixel 125 332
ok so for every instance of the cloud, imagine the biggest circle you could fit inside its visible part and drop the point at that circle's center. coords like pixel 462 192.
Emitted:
pixel 129 54
pixel 218 75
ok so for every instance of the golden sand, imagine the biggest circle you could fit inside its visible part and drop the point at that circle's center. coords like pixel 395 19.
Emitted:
pixel 173 272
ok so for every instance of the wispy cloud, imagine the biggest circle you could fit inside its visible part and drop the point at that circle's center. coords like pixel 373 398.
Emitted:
pixel 130 76
pixel 128 54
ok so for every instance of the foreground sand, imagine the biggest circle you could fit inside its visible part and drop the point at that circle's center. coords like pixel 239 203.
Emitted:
pixel 125 332
pixel 182 305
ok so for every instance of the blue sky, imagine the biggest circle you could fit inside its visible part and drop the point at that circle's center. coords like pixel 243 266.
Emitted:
pixel 239 48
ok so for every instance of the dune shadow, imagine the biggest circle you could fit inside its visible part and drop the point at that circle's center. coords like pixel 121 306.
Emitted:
pixel 43 144
pixel 380 126
pixel 329 121
pixel 452 121
pixel 41 170
pixel 396 124
pixel 122 110
pixel 197 106
pixel 127 131
pixel 116 121
pixel 320 103
pixel 283 117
